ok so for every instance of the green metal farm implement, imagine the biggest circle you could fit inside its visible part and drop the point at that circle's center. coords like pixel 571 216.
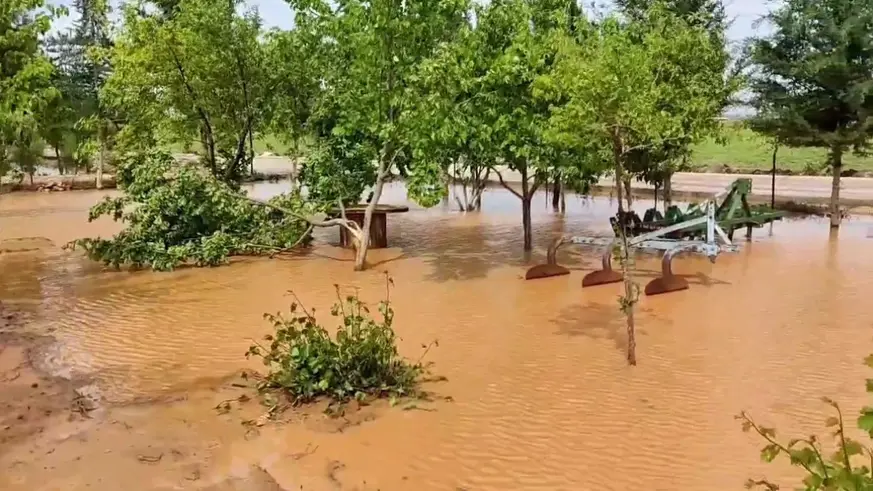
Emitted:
pixel 706 228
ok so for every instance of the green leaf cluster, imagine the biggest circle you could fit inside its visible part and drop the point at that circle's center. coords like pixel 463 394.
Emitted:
pixel 179 214
pixel 360 360
pixel 848 468
pixel 338 169
pixel 481 103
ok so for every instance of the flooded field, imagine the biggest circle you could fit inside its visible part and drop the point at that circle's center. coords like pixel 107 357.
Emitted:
pixel 541 397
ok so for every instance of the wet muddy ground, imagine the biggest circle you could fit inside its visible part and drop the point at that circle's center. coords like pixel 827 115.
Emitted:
pixel 538 395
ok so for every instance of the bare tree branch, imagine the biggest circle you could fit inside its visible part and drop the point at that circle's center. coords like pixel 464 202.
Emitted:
pixel 536 184
pixel 503 183
pixel 210 137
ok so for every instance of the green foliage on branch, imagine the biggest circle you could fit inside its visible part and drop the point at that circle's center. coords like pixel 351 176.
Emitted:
pixel 179 214
pixel 637 86
pixel 360 360
pixel 366 55
pixel 200 74
pixel 811 76
pixel 849 468
pixel 339 169
pixel 25 74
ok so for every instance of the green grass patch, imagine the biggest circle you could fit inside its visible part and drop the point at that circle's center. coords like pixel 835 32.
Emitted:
pixel 745 149
pixel 742 150
pixel 263 143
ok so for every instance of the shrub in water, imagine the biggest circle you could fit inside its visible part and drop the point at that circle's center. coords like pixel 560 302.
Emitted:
pixel 849 468
pixel 361 360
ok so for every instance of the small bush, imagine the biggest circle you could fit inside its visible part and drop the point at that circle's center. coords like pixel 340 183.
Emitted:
pixel 360 360
pixel 849 468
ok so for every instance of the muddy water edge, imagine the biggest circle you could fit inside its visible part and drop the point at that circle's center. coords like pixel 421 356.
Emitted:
pixel 539 393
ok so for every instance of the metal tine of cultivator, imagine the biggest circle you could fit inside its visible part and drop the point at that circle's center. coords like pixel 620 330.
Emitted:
pixel 668 282
pixel 551 268
pixel 606 274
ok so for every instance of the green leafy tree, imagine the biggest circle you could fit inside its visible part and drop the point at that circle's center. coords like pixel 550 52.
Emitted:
pixel 55 125
pixel 811 80
pixel 80 57
pixel 634 86
pixel 708 14
pixel 656 165
pixel 368 53
pixel 482 107
pixel 197 75
pixel 27 152
pixel 448 133
pixel 295 83
pixel 25 74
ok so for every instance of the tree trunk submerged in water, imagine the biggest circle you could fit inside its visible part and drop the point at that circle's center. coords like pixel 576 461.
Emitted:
pixel 100 160
pixel 364 243
pixel 525 211
pixel 836 158
pixel 619 188
pixel 629 293
pixel 628 301
pixel 628 192
pixel 557 193
pixel 667 195
pixel 526 196
pixel 773 179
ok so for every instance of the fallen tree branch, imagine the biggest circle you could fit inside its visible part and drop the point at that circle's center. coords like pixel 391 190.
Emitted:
pixel 350 225
pixel 280 250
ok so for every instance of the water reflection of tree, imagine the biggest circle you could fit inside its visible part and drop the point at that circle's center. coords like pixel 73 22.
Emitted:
pixel 597 321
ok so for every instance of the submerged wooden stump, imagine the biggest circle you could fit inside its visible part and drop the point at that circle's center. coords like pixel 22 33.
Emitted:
pixel 378 225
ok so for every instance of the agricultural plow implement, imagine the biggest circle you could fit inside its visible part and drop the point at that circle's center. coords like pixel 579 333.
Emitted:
pixel 706 229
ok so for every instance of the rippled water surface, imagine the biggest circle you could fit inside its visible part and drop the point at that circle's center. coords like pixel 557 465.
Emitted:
pixel 543 398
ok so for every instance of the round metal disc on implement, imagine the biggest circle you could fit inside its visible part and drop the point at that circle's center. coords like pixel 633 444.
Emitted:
pixel 666 284
pixel 601 277
pixel 545 271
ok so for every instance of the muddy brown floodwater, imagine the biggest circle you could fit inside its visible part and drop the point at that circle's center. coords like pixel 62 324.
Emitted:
pixel 540 395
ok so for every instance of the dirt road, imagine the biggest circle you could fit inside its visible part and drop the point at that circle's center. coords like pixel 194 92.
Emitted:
pixel 794 187
pixel 855 191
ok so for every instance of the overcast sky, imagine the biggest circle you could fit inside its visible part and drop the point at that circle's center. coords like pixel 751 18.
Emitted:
pixel 276 13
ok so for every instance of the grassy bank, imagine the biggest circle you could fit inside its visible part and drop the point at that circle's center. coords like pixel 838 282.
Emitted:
pixel 263 143
pixel 742 151
pixel 745 150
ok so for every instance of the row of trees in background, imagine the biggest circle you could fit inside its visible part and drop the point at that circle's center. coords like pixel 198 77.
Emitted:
pixel 434 92
pixel 50 84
